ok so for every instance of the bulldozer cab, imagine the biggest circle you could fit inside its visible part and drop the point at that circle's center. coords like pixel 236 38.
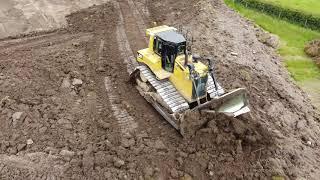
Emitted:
pixel 168 45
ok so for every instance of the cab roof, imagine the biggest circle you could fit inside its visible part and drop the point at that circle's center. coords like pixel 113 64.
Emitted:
pixel 171 36
pixel 155 30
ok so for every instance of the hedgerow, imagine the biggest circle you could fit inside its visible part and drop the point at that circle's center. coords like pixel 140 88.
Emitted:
pixel 291 15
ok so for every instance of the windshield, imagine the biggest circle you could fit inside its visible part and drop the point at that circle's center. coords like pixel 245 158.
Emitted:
pixel 200 87
pixel 181 48
pixel 168 57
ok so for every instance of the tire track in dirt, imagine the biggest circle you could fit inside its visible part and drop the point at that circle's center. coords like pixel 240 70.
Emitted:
pixel 24 166
pixel 38 42
pixel 99 102
pixel 123 43
pixel 142 6
pixel 134 31
pixel 9 41
pixel 140 23
pixel 125 121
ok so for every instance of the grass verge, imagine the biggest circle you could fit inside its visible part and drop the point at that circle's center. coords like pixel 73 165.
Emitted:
pixel 292 41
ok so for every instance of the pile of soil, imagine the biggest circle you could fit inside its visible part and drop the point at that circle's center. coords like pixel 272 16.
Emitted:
pixel 57 119
pixel 313 50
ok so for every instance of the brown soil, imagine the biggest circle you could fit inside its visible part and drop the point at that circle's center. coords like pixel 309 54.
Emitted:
pixel 59 120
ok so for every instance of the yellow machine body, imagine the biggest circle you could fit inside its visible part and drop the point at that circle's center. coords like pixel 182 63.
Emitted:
pixel 180 76
pixel 177 84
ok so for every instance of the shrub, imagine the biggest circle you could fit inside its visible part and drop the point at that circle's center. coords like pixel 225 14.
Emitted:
pixel 313 48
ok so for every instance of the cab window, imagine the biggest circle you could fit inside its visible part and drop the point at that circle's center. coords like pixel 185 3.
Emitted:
pixel 181 48
pixel 157 45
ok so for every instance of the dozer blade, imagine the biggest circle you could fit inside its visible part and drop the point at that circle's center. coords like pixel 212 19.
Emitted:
pixel 233 103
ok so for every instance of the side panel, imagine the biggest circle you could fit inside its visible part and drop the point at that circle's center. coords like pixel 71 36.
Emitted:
pixel 180 77
pixel 181 81
pixel 152 60
pixel 149 57
pixel 151 41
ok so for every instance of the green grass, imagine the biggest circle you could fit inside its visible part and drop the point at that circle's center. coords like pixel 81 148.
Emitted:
pixel 292 41
pixel 306 6
pixel 303 70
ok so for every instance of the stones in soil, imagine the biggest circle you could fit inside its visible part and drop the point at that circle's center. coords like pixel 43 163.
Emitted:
pixel 117 162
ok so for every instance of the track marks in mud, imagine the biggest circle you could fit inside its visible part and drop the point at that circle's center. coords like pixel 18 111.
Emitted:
pixel 126 122
pixel 25 166
pixel 39 42
pixel 123 43
pixel 140 23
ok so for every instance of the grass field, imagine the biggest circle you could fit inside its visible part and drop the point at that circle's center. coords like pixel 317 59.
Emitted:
pixel 306 6
pixel 292 41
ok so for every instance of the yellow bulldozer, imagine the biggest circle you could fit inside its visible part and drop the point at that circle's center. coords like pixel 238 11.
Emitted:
pixel 177 83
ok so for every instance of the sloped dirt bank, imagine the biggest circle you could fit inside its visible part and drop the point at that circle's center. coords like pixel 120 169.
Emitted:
pixel 278 106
